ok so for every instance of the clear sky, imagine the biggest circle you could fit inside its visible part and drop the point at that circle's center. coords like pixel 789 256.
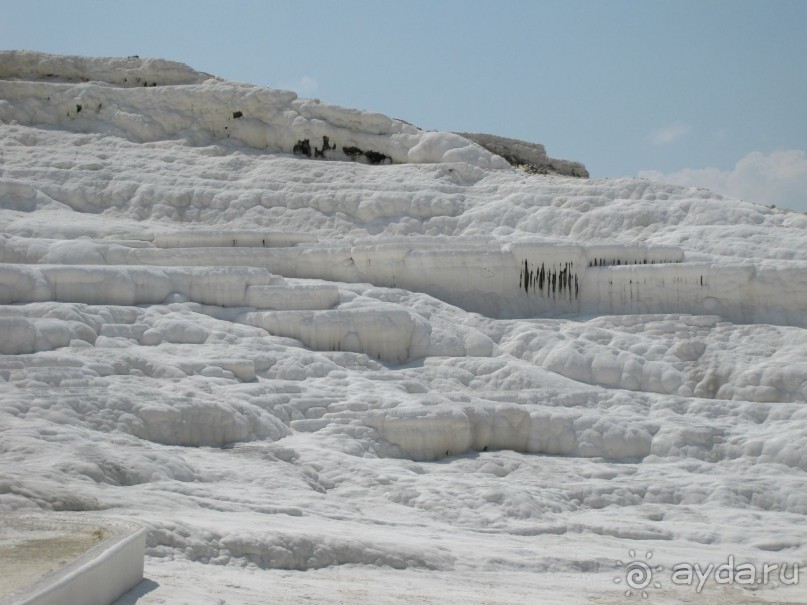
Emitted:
pixel 710 92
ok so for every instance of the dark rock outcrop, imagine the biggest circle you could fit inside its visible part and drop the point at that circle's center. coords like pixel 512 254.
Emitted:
pixel 530 157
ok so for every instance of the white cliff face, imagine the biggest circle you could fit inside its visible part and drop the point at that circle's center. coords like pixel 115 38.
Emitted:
pixel 425 373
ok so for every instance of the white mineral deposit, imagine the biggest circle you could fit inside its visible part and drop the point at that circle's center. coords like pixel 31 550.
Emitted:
pixel 321 354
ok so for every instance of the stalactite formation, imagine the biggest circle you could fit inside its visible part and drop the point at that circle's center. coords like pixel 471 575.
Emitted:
pixel 559 278
pixel 610 262
pixel 555 279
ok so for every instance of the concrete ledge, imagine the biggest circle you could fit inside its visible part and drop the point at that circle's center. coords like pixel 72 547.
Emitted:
pixel 69 559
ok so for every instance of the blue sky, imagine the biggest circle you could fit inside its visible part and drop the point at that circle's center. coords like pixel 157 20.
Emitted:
pixel 710 92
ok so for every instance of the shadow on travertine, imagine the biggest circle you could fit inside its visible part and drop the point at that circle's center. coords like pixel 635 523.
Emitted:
pixel 135 594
